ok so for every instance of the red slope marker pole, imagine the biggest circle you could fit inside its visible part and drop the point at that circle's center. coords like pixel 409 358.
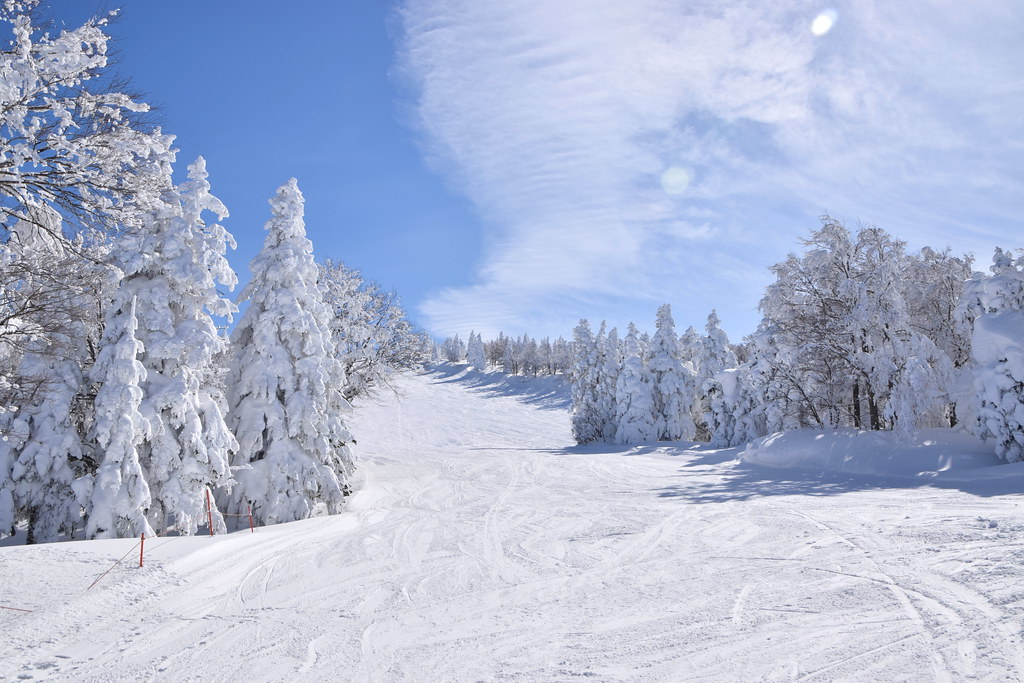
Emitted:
pixel 209 512
pixel 142 546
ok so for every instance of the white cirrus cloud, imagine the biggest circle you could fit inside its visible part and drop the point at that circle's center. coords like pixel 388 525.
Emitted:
pixel 621 154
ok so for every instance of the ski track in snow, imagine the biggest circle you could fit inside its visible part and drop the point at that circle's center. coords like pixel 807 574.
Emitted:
pixel 481 546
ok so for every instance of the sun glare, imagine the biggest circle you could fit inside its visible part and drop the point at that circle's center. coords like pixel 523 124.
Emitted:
pixel 823 23
pixel 675 180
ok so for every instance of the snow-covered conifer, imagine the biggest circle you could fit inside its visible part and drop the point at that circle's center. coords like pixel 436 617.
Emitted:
pixel 691 346
pixel 636 420
pixel 119 497
pixel 610 356
pixel 673 383
pixel 173 264
pixel 284 383
pixel 587 425
pixel 746 405
pixel 475 352
pixel 714 355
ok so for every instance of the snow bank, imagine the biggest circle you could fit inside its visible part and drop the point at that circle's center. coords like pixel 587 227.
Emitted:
pixel 852 451
pixel 999 338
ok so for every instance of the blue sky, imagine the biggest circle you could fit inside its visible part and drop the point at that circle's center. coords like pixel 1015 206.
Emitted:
pixel 517 164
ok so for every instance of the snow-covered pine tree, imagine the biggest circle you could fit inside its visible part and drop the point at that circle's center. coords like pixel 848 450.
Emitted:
pixel 586 417
pixel 610 355
pixel 691 346
pixel 715 356
pixel 47 447
pixel 119 497
pixel 995 303
pixel 635 418
pixel 475 352
pixel 718 397
pixel 674 384
pixel 746 405
pixel 173 264
pixel 716 352
pixel 284 382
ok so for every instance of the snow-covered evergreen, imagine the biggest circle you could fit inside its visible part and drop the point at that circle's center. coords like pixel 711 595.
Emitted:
pixel 673 383
pixel 610 359
pixel 284 382
pixel 173 264
pixel 119 497
pixel 587 423
pixel 714 356
pixel 636 420
pixel 475 355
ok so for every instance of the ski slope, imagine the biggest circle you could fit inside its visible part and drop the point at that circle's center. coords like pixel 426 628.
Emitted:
pixel 482 545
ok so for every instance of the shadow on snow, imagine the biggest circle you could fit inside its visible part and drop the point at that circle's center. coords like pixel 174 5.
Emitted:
pixel 547 392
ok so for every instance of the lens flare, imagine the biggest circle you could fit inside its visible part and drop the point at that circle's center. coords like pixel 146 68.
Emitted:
pixel 824 22
pixel 676 179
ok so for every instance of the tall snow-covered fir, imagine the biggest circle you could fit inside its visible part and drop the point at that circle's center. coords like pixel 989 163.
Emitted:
pixel 285 383
pixel 587 425
pixel 673 382
pixel 173 263
pixel 636 419
pixel 120 496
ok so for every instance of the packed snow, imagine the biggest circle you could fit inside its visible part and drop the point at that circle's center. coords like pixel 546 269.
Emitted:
pixel 481 545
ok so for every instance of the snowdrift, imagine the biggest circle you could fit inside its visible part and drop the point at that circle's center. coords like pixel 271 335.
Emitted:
pixel 942 453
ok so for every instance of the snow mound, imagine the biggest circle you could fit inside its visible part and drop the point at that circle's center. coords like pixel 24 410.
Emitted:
pixel 934 452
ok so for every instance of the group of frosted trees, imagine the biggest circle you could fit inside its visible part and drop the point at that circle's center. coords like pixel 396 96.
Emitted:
pixel 124 403
pixel 856 332
pixel 647 388
pixel 514 356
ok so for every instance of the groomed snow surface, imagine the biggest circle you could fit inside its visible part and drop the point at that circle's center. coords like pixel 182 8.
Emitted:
pixel 482 545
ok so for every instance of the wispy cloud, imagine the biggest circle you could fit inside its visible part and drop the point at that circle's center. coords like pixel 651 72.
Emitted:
pixel 622 154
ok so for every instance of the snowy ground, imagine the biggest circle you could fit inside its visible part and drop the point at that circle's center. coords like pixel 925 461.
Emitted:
pixel 481 546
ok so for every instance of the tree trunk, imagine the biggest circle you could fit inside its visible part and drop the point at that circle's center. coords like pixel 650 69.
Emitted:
pixel 876 418
pixel 856 405
pixel 33 515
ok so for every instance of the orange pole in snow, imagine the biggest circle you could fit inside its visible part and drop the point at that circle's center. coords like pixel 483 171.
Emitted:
pixel 209 512
pixel 142 546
